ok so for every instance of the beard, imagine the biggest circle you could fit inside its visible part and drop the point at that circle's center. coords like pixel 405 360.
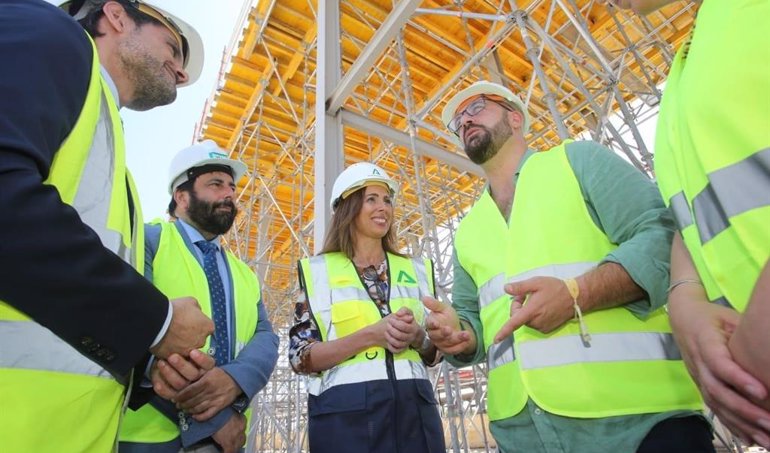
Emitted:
pixel 485 144
pixel 206 215
pixel 153 84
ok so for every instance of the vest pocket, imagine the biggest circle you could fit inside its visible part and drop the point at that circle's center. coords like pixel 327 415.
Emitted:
pixel 347 317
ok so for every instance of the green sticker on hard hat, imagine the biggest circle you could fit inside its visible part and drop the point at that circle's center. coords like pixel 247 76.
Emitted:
pixel 216 155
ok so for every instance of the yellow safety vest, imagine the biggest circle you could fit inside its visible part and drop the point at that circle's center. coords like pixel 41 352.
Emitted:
pixel 53 398
pixel 341 306
pixel 177 273
pixel 712 152
pixel 631 366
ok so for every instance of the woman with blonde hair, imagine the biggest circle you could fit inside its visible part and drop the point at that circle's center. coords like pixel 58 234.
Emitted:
pixel 358 333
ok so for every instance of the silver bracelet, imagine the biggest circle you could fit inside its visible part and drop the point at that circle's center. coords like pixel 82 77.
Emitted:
pixel 682 282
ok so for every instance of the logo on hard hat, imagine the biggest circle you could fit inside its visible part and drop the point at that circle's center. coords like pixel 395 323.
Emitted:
pixel 375 172
pixel 216 155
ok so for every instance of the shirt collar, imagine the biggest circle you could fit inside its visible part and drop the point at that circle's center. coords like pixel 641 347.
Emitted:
pixel 195 235
pixel 111 84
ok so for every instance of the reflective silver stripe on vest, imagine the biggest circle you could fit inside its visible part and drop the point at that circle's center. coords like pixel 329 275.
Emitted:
pixel 321 299
pixel 606 347
pixel 501 353
pixel 731 191
pixel 349 293
pixel 30 346
pixel 371 370
pixel 493 289
pixel 93 198
pixel 357 293
pixel 681 210
pixel 422 278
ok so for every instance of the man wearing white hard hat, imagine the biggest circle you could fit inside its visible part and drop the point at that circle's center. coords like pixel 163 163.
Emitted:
pixel 560 277
pixel 186 258
pixel 76 314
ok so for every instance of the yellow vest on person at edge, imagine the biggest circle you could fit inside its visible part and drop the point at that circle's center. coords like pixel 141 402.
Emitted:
pixel 712 150
pixel 341 306
pixel 632 366
pixel 52 397
pixel 176 273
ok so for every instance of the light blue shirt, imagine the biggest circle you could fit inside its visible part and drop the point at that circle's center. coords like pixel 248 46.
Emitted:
pixel 195 236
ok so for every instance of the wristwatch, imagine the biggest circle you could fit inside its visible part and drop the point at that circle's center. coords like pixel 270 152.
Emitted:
pixel 241 404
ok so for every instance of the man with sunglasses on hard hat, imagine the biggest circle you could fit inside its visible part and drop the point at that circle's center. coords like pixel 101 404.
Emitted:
pixel 560 276
pixel 186 257
pixel 76 314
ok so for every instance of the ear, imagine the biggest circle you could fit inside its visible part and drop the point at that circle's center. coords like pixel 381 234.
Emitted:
pixel 515 119
pixel 182 198
pixel 115 16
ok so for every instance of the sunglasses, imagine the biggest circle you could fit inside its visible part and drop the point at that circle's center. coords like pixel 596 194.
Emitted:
pixel 473 109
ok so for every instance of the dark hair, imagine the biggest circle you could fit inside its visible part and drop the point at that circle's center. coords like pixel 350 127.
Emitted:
pixel 339 236
pixel 186 186
pixel 91 21
pixel 192 175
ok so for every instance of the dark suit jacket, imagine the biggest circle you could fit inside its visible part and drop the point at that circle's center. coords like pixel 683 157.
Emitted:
pixel 53 267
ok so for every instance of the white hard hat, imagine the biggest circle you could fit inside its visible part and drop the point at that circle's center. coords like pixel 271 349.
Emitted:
pixel 357 176
pixel 204 153
pixel 191 40
pixel 478 88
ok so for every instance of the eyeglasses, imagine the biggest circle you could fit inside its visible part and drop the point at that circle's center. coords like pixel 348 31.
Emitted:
pixel 473 109
pixel 371 276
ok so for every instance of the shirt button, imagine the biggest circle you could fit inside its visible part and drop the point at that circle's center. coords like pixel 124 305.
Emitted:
pixel 538 411
pixel 185 427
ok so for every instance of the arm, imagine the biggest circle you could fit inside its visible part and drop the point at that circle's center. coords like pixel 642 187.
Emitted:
pixel 702 331
pixel 456 330
pixel 627 207
pixel 253 366
pixel 749 342
pixel 246 374
pixel 309 354
pixel 325 355
pixel 54 256
pixel 227 426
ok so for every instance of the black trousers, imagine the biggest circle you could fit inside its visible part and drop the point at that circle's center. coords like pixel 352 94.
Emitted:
pixel 679 435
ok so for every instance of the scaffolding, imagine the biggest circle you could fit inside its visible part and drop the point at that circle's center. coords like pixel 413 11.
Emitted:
pixel 310 87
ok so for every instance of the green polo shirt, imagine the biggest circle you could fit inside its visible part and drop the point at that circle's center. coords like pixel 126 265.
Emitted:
pixel 628 208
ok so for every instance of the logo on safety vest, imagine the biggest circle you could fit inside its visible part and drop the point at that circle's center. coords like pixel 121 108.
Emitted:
pixel 403 277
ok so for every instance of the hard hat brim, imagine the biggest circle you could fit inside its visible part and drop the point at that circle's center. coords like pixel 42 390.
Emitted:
pixel 239 169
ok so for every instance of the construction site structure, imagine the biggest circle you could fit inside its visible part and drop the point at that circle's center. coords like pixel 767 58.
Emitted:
pixel 308 87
